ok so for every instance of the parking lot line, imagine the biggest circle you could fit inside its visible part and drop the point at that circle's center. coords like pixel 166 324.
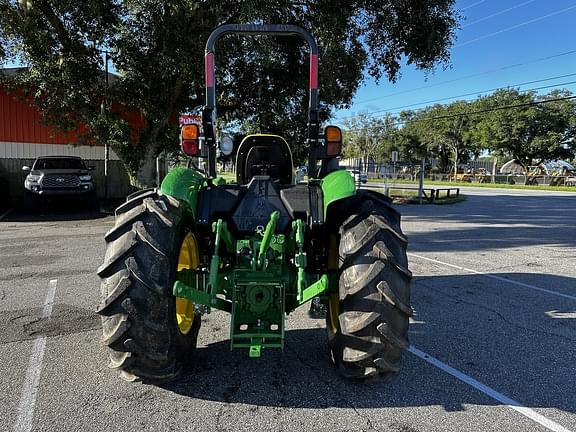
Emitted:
pixel 498 278
pixel 505 400
pixel 32 380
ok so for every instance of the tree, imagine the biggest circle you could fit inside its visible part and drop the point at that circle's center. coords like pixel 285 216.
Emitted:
pixel 531 132
pixel 156 49
pixel 445 130
pixel 368 138
pixel 454 124
pixel 407 138
pixel 441 131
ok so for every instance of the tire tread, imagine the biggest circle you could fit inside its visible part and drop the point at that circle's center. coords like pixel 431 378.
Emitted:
pixel 374 289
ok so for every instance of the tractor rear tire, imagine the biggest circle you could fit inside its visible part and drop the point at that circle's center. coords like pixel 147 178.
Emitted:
pixel 368 323
pixel 137 305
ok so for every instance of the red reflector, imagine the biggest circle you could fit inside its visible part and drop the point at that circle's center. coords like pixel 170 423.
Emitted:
pixel 333 148
pixel 190 147
pixel 314 71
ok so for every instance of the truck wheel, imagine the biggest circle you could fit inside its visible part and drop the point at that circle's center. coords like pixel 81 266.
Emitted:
pixel 150 333
pixel 368 321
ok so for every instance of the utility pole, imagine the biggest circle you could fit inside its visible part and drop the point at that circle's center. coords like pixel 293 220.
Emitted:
pixel 394 158
pixel 494 163
pixel 103 110
pixel 364 157
pixel 421 181
pixel 106 145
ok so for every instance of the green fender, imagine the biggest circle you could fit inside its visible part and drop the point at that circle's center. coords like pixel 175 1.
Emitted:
pixel 184 185
pixel 335 186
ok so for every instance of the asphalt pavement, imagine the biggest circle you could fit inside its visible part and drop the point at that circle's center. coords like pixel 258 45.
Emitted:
pixel 492 338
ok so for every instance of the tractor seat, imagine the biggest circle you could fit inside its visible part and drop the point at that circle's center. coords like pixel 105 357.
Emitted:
pixel 267 155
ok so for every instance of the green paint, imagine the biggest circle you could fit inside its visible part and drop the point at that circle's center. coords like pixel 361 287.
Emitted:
pixel 223 233
pixel 255 347
pixel 187 291
pixel 300 260
pixel 267 237
pixel 215 261
pixel 315 289
pixel 219 181
pixel 335 186
pixel 252 278
pixel 184 185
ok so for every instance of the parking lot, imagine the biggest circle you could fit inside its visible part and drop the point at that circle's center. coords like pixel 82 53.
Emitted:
pixel 492 337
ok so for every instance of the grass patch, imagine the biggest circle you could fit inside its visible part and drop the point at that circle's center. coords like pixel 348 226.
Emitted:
pixel 403 196
pixel 228 176
pixel 428 183
pixel 450 200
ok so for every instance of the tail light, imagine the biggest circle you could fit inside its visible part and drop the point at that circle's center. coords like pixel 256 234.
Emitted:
pixel 332 141
pixel 189 143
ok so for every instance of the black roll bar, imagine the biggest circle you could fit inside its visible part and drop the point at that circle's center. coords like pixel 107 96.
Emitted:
pixel 209 114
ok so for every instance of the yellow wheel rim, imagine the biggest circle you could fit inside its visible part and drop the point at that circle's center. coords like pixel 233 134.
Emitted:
pixel 187 259
pixel 334 302
pixel 333 312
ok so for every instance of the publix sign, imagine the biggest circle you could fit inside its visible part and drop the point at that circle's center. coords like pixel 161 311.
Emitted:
pixel 186 119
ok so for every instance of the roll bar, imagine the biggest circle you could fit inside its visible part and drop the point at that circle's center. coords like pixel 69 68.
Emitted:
pixel 209 114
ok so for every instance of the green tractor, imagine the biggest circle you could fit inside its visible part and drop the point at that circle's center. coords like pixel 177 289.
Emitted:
pixel 257 248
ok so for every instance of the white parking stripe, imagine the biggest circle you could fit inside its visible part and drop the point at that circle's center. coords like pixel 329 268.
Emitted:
pixel 49 302
pixel 30 390
pixel 498 278
pixel 32 380
pixel 505 400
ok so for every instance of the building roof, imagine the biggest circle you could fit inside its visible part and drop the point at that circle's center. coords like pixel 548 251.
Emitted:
pixel 12 71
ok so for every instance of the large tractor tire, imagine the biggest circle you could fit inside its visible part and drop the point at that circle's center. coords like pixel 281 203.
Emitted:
pixel 368 321
pixel 147 339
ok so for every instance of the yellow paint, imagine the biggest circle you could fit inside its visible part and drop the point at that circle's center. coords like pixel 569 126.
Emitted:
pixel 187 259
pixel 334 302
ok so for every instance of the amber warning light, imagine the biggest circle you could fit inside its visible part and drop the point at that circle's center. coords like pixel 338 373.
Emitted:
pixel 333 141
pixel 189 140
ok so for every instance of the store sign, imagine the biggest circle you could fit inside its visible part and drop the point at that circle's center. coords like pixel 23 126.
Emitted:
pixel 186 119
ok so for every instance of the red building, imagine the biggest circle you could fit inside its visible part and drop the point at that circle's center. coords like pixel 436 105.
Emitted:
pixel 23 138
pixel 22 134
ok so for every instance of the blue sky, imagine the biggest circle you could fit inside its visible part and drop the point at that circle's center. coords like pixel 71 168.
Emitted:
pixel 495 36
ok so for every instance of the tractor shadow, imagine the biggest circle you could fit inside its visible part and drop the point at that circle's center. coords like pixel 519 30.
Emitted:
pixel 302 376
pixel 515 347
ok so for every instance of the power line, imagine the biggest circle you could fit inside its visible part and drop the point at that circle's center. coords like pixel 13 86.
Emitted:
pixel 504 30
pixel 470 94
pixel 476 93
pixel 480 111
pixel 495 14
pixel 500 108
pixel 473 4
pixel 537 60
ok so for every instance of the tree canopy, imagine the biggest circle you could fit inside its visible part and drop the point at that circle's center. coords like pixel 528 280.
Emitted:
pixel 156 49
pixel 369 138
pixel 530 133
pixel 508 123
